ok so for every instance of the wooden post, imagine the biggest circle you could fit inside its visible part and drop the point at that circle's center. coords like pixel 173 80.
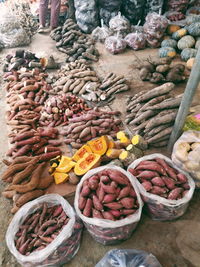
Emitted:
pixel 190 90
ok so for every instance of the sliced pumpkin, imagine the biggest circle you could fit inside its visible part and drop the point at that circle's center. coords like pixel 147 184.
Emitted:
pixel 81 152
pixel 64 161
pixel 66 168
pixel 60 177
pixel 99 145
pixel 88 162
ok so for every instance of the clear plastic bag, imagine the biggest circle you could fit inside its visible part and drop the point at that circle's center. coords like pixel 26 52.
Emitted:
pixel 119 24
pixel 136 40
pixel 188 161
pixel 128 258
pixel 101 33
pixel 177 5
pixel 115 44
pixel 61 250
pixel 86 15
pixel 109 232
pixel 11 32
pixel 160 208
pixel 154 28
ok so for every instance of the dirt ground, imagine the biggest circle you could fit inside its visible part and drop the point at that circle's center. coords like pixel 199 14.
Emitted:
pixel 176 243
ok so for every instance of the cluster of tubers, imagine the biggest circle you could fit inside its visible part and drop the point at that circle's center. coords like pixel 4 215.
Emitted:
pixel 186 153
pixel 58 109
pixel 75 44
pixel 26 179
pixel 152 114
pixel 41 227
pixel 35 142
pixel 79 78
pixel 160 71
pixel 88 126
pixel 157 177
pixel 108 195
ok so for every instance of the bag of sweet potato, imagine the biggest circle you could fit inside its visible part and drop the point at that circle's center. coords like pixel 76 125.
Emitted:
pixel 109 204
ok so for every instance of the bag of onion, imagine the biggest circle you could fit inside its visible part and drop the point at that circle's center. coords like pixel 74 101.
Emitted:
pixel 165 189
pixel 109 204
pixel 44 232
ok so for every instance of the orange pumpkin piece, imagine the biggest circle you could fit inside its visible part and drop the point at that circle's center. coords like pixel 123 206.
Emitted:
pixel 88 162
pixel 99 145
pixel 81 152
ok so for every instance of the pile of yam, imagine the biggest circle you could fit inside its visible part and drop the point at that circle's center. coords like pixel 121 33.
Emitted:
pixel 79 78
pixel 152 114
pixel 75 44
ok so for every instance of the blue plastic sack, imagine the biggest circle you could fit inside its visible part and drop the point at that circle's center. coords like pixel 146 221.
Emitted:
pixel 128 258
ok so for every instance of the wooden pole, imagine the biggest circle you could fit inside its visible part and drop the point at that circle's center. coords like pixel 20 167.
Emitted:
pixel 190 90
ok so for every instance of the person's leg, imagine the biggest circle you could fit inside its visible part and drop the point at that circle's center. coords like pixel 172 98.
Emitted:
pixel 55 11
pixel 43 12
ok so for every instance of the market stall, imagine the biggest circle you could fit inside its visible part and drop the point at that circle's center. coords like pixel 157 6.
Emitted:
pixel 87 132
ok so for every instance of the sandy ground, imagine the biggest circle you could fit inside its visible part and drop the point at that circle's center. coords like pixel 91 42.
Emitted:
pixel 175 244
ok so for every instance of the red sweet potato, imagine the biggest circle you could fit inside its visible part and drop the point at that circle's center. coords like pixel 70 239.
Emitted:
pixel 82 202
pixel 127 202
pixel 147 174
pixel 152 167
pixel 108 189
pixel 114 205
pixel 182 178
pixel 169 182
pixel 175 193
pixel 147 185
pixel 157 190
pixel 115 213
pixel 108 215
pixel 157 181
pixel 109 198
pixel 124 192
pixel 88 208
pixel 97 214
pixel 96 203
pixel 85 191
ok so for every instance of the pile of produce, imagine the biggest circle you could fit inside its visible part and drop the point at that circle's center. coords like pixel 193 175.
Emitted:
pixel 79 78
pixel 176 9
pixel 32 142
pixel 184 40
pixel 104 149
pixel 186 154
pixel 108 195
pixel 59 108
pixel 160 71
pixel 157 177
pixel 40 228
pixel 26 93
pixel 27 59
pixel 75 44
pixel 87 126
pixel 152 114
pixel 24 174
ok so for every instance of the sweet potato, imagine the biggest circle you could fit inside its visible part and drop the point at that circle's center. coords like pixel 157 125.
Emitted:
pixel 88 208
pixel 114 205
pixel 147 174
pixel 30 141
pixel 22 151
pixel 157 181
pixel 20 176
pixel 175 193
pixel 85 191
pixel 97 214
pixel 169 182
pixel 108 189
pixel 96 203
pixel 157 190
pixel 82 202
pixel 49 155
pixel 147 185
pixel 108 215
pixel 127 202
pixel 181 178
pixel 153 167
pixel 109 198
pixel 124 192
pixel 28 196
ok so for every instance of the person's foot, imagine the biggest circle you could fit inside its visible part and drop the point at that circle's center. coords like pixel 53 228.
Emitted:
pixel 43 29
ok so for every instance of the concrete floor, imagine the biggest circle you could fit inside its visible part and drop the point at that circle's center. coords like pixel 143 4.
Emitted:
pixel 175 244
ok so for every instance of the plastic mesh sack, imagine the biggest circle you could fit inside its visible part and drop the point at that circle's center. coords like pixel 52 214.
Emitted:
pixel 11 32
pixel 154 28
pixel 128 258
pixel 177 5
pixel 136 40
pixel 86 15
pixel 133 10
pixel 101 33
pixel 188 161
pixel 159 208
pixel 115 44
pixel 61 250
pixel 119 24
pixel 109 232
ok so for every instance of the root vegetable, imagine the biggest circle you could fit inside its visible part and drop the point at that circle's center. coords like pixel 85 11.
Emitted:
pixel 109 198
pixel 127 202
pixel 97 204
pixel 114 205
pixel 175 193
pixel 157 181
pixel 28 196
pixel 108 216
pixel 124 192
pixel 97 214
pixel 88 208
pixel 147 185
pixel 168 118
